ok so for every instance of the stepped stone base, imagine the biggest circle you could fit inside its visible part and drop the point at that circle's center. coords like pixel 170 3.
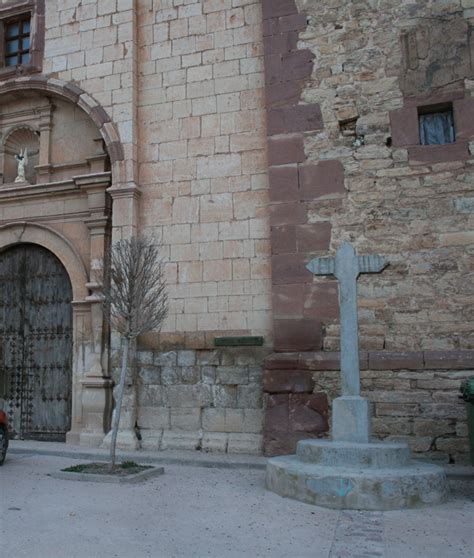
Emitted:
pixel 374 476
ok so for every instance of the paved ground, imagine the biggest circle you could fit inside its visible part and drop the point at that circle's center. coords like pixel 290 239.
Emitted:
pixel 198 511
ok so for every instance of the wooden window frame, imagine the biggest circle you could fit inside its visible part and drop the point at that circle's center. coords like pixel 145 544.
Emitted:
pixel 439 108
pixel 34 10
pixel 20 37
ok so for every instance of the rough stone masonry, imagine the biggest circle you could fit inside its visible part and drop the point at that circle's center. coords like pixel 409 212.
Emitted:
pixel 251 136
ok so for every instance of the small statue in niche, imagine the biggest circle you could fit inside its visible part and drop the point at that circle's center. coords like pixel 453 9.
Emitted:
pixel 22 159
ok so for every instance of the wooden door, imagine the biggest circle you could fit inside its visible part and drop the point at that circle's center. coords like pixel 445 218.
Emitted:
pixel 35 342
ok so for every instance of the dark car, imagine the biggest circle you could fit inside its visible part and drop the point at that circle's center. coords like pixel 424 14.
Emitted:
pixel 3 436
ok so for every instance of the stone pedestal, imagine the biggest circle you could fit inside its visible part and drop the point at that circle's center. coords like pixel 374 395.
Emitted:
pixel 351 419
pixel 359 476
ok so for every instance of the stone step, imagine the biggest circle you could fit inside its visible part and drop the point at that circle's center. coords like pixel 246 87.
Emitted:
pixel 417 484
pixel 374 455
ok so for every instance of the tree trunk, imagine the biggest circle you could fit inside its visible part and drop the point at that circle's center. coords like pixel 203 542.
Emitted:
pixel 118 404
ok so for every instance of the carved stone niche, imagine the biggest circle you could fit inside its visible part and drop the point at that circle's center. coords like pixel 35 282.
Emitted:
pixel 26 128
pixel 62 142
pixel 20 139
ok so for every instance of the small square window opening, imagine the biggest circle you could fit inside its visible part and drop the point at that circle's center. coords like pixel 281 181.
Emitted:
pixel 436 125
pixel 17 41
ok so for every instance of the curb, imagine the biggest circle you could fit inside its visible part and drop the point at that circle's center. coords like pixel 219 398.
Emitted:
pixel 88 477
pixel 206 463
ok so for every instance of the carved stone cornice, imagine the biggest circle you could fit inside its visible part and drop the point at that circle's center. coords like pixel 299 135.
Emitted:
pixel 129 191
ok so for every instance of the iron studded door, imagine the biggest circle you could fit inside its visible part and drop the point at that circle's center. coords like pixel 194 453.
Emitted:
pixel 35 342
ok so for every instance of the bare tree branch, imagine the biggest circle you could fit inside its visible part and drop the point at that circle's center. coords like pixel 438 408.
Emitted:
pixel 135 301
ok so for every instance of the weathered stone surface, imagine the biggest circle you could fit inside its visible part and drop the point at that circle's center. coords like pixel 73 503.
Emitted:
pixel 245 443
pixel 297 335
pixel 308 413
pixel 189 396
pixel 284 381
pixel 351 419
pixel 357 488
pixel 225 396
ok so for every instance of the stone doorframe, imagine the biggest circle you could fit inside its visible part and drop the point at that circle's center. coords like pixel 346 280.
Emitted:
pixel 92 385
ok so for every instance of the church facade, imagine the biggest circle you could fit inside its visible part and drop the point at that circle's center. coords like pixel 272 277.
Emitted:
pixel 247 137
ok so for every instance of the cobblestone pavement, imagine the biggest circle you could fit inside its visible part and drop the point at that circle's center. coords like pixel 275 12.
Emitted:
pixel 194 512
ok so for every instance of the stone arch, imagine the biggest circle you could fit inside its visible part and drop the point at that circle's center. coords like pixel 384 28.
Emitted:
pixel 15 129
pixel 74 94
pixel 22 232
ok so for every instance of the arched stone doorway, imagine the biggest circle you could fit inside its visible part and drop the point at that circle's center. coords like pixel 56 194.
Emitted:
pixel 36 335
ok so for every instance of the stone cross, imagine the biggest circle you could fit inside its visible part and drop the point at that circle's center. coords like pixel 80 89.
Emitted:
pixel 347 267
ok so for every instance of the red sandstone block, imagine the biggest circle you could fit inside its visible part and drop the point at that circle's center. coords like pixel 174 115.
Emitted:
pixel 387 360
pixel 283 183
pixel 324 360
pixel 290 269
pixel 287 93
pixel 300 118
pixel 457 360
pixel 313 237
pixel 291 213
pixel 432 154
pixel 288 381
pixel 281 360
pixel 286 150
pixel 404 125
pixel 321 301
pixel 325 179
pixel 280 43
pixel 272 69
pixel 276 413
pixel 327 360
pixel 285 24
pixel 288 301
pixel 283 239
pixel 297 335
pixel 308 413
pixel 296 65
pixel 295 22
pixel 463 110
pixel 278 8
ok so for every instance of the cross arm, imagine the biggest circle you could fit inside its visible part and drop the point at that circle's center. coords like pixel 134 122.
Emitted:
pixel 322 266
pixel 371 264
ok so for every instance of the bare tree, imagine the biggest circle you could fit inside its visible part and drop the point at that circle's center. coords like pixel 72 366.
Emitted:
pixel 135 302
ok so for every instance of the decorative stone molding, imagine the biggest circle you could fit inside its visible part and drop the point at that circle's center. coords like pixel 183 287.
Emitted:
pixel 76 95
pixel 61 247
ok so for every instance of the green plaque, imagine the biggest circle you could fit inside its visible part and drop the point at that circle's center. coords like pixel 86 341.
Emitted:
pixel 243 341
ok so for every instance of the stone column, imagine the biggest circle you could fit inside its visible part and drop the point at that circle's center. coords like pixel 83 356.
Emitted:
pixel 125 224
pixel 95 381
pixel 44 166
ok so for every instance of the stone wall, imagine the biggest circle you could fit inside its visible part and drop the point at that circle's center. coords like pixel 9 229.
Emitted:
pixel 202 164
pixel 183 83
pixel 251 137
pixel 414 398
pixel 345 82
pixel 201 400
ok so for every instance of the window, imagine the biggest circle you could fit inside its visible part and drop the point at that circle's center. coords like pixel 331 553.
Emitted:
pixel 436 125
pixel 17 41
